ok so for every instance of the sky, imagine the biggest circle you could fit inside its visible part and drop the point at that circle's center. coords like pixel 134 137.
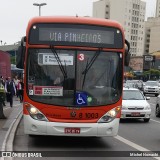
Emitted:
pixel 15 14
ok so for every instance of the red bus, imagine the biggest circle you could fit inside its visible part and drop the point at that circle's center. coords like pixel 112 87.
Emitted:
pixel 73 74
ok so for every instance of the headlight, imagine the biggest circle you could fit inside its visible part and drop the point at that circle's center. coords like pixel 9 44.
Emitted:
pixel 110 115
pixel 35 113
pixel 147 107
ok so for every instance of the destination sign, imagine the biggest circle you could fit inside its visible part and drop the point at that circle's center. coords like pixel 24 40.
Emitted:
pixel 76 35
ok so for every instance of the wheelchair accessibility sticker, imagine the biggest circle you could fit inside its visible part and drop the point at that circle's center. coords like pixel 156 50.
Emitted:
pixel 81 98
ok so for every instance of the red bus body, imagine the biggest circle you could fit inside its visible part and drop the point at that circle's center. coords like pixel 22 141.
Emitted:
pixel 70 120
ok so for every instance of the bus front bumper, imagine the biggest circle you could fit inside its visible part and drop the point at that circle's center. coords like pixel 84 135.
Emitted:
pixel 35 127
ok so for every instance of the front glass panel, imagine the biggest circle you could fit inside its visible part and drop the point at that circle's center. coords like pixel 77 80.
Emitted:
pixel 132 95
pixel 74 77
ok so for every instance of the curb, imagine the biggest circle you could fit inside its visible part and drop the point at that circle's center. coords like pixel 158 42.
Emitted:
pixel 7 145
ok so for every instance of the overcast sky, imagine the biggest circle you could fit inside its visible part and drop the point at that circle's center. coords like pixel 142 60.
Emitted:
pixel 15 14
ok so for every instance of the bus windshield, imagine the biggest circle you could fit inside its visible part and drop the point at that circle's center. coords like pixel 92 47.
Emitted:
pixel 69 78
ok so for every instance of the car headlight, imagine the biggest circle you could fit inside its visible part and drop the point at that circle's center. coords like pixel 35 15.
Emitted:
pixel 147 107
pixel 110 115
pixel 35 113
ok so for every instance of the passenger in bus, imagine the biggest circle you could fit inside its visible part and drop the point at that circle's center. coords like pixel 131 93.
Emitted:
pixel 57 81
pixel 58 78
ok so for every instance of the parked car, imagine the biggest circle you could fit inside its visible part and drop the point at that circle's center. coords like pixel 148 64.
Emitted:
pixel 157 111
pixel 151 87
pixel 135 105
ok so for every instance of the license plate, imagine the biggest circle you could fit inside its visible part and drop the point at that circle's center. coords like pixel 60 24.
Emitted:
pixel 135 114
pixel 72 130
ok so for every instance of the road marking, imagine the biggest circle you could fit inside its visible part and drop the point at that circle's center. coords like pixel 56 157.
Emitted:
pixel 155 120
pixel 134 145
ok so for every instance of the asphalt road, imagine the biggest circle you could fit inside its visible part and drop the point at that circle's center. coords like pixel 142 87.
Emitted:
pixel 134 135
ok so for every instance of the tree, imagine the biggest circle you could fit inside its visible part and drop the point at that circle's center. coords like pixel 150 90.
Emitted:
pixel 152 73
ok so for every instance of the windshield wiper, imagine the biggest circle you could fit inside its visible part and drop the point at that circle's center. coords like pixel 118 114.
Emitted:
pixel 88 65
pixel 63 70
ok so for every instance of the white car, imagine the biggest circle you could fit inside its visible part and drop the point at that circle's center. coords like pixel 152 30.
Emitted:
pixel 151 87
pixel 135 105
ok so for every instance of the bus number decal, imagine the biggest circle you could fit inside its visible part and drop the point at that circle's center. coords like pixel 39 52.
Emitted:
pixel 91 115
pixel 81 57
pixel 88 115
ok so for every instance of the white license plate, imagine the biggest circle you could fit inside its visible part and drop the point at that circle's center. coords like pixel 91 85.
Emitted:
pixel 72 130
pixel 135 114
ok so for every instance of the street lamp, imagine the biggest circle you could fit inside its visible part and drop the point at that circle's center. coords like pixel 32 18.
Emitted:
pixel 39 5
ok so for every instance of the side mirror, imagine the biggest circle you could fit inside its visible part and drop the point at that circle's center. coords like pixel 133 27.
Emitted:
pixel 21 54
pixel 127 53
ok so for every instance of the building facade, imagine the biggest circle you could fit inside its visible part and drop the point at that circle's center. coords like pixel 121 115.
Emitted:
pixel 12 50
pixel 136 63
pixel 152 35
pixel 158 8
pixel 130 14
pixel 5 64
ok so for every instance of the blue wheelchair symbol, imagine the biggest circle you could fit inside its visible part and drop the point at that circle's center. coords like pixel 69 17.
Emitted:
pixel 81 98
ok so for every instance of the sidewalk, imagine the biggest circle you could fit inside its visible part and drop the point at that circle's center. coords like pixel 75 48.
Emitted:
pixel 6 124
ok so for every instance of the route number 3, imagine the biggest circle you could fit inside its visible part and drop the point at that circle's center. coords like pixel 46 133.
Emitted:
pixel 81 57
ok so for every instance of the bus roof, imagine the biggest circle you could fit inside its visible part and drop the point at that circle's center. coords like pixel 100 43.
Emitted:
pixel 74 20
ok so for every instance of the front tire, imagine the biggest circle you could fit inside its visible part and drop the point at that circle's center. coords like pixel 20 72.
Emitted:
pixel 157 111
pixel 146 119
